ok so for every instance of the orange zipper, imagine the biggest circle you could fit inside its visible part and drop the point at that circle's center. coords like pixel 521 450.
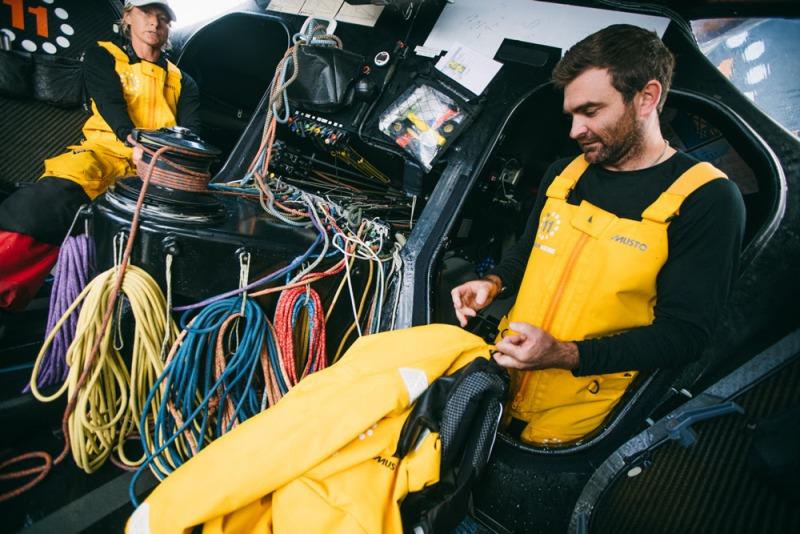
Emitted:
pixel 565 276
pixel 556 300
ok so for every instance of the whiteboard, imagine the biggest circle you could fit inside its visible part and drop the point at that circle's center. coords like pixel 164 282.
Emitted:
pixel 483 24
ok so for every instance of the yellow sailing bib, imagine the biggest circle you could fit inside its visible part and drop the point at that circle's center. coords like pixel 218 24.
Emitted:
pixel 590 274
pixel 151 96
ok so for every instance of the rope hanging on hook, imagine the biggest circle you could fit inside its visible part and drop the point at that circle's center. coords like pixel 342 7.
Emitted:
pixel 299 310
pixel 214 378
pixel 73 269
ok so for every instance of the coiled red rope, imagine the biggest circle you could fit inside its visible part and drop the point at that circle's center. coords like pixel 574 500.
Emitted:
pixel 296 305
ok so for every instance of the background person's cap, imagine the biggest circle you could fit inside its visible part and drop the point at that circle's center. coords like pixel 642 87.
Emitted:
pixel 141 3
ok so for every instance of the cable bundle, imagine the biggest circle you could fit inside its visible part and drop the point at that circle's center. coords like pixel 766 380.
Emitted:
pixel 75 263
pixel 299 317
pixel 214 378
pixel 107 407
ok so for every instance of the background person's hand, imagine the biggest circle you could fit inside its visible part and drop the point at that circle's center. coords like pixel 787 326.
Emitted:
pixel 528 347
pixel 137 155
pixel 471 297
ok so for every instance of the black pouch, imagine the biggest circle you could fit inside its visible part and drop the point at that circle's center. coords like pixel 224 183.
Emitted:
pixel 58 80
pixel 15 73
pixel 325 80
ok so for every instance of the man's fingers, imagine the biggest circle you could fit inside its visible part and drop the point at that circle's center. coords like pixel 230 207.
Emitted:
pixel 509 348
pixel 524 328
pixel 513 339
pixel 463 312
pixel 507 361
pixel 462 320
pixel 481 295
pixel 456 294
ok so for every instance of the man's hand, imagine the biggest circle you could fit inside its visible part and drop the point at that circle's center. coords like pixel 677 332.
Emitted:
pixel 473 296
pixel 531 348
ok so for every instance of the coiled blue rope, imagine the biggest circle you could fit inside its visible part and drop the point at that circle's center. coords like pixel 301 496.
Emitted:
pixel 207 406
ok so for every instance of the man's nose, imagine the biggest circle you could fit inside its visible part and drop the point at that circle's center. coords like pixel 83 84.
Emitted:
pixel 578 128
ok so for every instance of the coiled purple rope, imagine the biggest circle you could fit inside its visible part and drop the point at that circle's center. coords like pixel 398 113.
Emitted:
pixel 73 271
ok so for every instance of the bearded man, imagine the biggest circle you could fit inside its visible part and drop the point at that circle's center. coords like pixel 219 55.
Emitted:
pixel 628 256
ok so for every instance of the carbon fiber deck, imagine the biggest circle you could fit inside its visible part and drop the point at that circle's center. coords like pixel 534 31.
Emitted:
pixel 709 487
pixel 32 131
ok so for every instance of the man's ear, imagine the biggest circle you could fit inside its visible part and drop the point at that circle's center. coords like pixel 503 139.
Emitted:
pixel 650 95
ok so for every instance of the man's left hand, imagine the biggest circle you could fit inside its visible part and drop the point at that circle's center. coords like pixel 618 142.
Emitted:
pixel 531 348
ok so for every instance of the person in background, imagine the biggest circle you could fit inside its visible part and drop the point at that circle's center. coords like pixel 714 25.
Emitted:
pixel 131 84
pixel 628 256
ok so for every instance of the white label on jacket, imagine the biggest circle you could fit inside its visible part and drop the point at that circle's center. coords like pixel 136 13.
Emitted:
pixel 139 522
pixel 416 382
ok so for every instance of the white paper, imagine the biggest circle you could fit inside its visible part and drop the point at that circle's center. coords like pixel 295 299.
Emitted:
pixel 469 68
pixel 426 52
pixel 483 25
pixel 364 15
pixel 325 9
pixel 286 6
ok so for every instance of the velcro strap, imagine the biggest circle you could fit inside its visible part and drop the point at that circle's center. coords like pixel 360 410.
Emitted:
pixel 565 182
pixel 668 204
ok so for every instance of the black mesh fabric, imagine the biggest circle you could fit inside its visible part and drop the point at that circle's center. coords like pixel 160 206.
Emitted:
pixel 464 409
pixel 461 407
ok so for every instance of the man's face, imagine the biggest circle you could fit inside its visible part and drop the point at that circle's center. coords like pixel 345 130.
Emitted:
pixel 149 25
pixel 606 128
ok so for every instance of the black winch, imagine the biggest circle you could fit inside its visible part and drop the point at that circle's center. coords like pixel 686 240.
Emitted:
pixel 178 189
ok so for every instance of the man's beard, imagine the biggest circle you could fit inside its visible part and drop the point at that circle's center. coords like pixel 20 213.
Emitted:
pixel 621 142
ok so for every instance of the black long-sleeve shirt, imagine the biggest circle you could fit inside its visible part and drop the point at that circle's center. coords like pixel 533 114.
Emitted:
pixel 692 286
pixel 104 87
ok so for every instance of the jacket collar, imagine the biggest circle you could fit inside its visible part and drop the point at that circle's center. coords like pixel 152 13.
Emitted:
pixel 125 45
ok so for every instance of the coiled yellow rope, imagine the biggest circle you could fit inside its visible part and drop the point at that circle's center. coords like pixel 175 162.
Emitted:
pixel 110 403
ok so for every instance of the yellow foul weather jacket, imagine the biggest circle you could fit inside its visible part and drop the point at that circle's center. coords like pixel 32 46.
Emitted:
pixel 322 459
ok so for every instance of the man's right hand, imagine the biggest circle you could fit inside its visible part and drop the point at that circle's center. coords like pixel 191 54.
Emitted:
pixel 473 296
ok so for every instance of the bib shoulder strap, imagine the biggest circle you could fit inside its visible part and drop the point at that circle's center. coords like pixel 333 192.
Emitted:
pixel 668 204
pixel 173 70
pixel 565 182
pixel 114 50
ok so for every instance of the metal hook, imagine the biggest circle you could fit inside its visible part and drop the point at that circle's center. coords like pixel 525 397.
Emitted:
pixel 78 214
pixel 118 246
pixel 244 273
